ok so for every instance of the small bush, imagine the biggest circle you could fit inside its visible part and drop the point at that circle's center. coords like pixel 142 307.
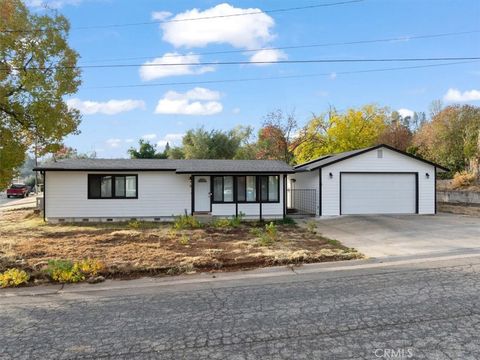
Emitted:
pixel 133 224
pixel 266 236
pixel 312 226
pixel 463 179
pixel 220 223
pixel 66 271
pixel 13 277
pixel 184 240
pixel 186 222
pixel 91 267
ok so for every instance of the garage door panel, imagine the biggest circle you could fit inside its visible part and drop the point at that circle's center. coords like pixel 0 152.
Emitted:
pixel 374 193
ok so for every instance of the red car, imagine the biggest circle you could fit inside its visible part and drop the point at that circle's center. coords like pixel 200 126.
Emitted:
pixel 18 190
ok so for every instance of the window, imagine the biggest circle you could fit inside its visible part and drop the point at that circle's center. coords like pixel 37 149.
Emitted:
pixel 246 189
pixel 223 188
pixel 112 186
pixel 269 188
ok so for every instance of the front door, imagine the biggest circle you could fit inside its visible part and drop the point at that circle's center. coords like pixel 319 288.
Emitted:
pixel 202 194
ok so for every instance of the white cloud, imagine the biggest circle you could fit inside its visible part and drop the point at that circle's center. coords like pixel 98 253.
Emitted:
pixel 153 70
pixel 236 110
pixel 198 101
pixel 110 107
pixel 250 31
pixel 333 76
pixel 458 96
pixel 404 113
pixel 114 143
pixel 172 139
pixel 149 136
pixel 129 141
pixel 161 15
pixel 268 55
pixel 52 4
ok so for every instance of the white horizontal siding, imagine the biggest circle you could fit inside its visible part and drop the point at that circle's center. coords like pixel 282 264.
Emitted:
pixel 160 194
pixel 223 209
pixel 369 162
pixel 305 181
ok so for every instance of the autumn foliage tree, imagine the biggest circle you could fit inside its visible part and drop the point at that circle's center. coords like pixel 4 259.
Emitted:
pixel 452 138
pixel 336 131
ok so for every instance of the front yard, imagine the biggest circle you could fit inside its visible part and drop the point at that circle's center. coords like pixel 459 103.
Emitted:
pixel 138 248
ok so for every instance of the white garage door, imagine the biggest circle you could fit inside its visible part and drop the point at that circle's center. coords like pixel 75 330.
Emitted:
pixel 373 193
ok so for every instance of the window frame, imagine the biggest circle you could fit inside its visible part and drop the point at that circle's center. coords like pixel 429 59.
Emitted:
pixel 235 189
pixel 212 189
pixel 268 189
pixel 113 197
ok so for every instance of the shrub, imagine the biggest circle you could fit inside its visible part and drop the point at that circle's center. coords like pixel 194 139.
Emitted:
pixel 220 223
pixel 463 179
pixel 267 236
pixel 133 224
pixel 13 277
pixel 186 222
pixel 312 226
pixel 184 240
pixel 91 267
pixel 66 271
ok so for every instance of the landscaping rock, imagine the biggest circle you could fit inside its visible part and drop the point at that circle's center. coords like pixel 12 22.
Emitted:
pixel 96 279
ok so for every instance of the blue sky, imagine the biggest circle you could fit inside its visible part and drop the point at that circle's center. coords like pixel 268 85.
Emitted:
pixel 115 118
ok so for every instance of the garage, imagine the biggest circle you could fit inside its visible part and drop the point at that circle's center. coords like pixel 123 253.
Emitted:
pixel 370 181
pixel 378 193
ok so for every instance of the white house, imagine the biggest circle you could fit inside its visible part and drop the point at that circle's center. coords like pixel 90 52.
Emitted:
pixel 156 190
pixel 375 180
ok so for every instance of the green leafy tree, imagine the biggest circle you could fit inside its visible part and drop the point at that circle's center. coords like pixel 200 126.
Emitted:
pixel 37 70
pixel 215 144
pixel 146 150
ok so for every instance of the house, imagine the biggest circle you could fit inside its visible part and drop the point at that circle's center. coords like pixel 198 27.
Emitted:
pixel 156 190
pixel 374 180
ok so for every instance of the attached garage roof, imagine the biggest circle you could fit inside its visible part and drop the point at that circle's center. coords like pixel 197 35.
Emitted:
pixel 179 166
pixel 334 158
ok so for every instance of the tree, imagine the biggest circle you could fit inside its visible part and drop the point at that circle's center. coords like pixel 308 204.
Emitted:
pixel 336 132
pixel 279 137
pixel 37 69
pixel 451 138
pixel 215 144
pixel 397 132
pixel 146 151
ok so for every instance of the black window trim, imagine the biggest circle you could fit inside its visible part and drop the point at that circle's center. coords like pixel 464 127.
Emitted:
pixel 113 197
pixel 212 186
pixel 235 189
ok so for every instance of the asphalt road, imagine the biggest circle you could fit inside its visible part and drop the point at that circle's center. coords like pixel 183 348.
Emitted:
pixel 414 311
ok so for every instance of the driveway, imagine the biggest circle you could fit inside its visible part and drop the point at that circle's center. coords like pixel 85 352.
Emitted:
pixel 401 235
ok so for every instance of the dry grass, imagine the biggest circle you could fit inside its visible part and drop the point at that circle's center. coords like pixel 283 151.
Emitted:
pixel 27 242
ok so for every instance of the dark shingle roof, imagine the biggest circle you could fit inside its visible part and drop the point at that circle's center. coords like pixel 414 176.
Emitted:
pixel 333 158
pixel 327 159
pixel 180 166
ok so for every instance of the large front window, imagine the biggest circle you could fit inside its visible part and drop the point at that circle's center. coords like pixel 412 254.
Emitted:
pixel 112 186
pixel 246 189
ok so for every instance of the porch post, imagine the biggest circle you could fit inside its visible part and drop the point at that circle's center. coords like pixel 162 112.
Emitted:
pixel 192 182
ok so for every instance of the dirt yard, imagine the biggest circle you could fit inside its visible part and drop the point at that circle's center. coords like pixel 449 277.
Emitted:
pixel 131 250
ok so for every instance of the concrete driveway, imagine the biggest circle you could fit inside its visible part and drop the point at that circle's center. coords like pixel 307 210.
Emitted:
pixel 402 235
